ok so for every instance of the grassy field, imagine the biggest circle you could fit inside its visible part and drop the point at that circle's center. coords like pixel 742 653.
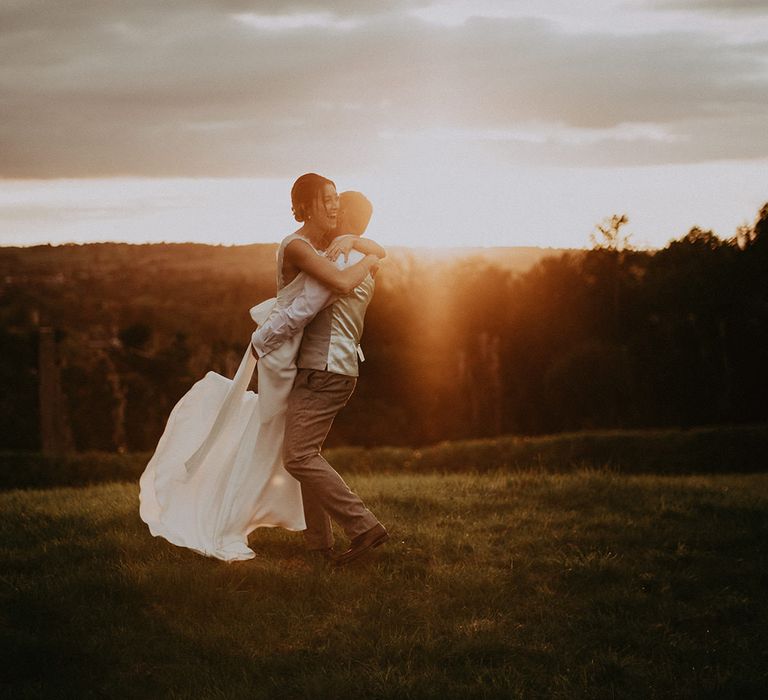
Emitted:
pixel 585 585
pixel 724 449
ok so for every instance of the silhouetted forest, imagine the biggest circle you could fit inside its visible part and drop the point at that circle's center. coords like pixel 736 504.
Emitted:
pixel 519 341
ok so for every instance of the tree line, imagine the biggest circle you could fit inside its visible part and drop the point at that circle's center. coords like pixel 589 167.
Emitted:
pixel 610 337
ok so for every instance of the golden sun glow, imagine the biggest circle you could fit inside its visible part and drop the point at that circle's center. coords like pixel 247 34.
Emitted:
pixel 414 206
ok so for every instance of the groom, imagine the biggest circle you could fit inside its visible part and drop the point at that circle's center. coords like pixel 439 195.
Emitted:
pixel 326 377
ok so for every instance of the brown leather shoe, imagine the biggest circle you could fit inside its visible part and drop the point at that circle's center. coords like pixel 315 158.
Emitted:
pixel 370 539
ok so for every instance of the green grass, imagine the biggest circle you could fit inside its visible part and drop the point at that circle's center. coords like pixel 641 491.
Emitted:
pixel 586 585
pixel 721 449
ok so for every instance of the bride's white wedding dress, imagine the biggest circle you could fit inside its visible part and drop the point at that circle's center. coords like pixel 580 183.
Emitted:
pixel 217 473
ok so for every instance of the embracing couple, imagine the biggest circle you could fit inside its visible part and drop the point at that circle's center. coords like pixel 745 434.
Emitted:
pixel 229 460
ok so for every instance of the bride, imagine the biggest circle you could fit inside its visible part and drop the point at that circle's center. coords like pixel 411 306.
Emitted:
pixel 217 473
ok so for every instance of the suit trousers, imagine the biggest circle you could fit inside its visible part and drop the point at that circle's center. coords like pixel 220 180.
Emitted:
pixel 316 398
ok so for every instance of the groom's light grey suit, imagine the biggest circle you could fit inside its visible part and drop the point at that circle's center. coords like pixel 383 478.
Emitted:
pixel 326 377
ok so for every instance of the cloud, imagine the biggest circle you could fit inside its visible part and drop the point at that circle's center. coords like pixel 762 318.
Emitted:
pixel 235 87
pixel 756 6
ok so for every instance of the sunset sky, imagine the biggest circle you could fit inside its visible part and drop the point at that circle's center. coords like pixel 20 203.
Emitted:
pixel 467 123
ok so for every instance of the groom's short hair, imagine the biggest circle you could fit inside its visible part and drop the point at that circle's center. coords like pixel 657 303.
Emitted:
pixel 356 210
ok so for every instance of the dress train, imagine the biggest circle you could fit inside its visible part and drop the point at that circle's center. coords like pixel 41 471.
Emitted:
pixel 217 473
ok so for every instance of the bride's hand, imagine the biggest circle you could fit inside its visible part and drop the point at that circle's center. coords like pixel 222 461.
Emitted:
pixel 340 246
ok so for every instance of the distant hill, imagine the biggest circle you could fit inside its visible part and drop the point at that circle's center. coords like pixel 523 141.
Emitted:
pixel 254 261
pixel 149 258
pixel 517 258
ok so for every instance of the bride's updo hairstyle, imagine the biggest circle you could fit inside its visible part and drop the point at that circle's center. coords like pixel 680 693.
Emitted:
pixel 304 194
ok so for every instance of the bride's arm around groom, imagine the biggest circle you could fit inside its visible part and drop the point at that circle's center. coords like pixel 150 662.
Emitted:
pixel 353 256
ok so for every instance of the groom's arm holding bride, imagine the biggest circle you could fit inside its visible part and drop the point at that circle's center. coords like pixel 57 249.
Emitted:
pixel 320 289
